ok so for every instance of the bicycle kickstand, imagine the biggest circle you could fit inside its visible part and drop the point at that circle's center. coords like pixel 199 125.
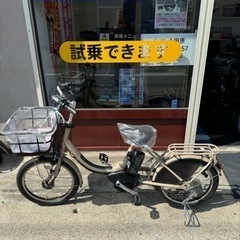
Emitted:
pixel 191 219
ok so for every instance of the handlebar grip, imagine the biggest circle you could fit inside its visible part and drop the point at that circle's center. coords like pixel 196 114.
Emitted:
pixel 55 99
pixel 64 104
pixel 71 110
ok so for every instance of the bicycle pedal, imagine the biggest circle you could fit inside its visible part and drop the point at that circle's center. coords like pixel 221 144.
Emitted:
pixel 136 200
pixel 103 157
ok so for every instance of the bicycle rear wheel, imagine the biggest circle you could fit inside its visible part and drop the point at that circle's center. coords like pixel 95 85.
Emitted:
pixel 33 182
pixel 203 186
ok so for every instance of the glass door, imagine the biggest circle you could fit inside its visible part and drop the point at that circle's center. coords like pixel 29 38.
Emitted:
pixel 168 92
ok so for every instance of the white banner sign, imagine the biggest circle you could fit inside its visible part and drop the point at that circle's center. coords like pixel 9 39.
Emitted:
pixel 187 41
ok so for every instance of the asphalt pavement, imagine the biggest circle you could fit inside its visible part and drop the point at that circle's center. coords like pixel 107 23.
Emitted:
pixel 99 211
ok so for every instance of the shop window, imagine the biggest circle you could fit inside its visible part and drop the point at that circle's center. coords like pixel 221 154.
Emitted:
pixel 118 85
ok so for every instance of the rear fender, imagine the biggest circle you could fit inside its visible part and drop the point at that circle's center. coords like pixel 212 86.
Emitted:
pixel 180 168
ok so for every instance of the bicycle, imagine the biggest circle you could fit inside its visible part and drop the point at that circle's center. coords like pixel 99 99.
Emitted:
pixel 82 86
pixel 184 174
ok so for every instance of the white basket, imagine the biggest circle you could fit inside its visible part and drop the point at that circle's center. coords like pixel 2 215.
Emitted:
pixel 30 129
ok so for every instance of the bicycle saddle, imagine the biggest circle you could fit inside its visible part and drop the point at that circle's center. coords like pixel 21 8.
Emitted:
pixel 138 135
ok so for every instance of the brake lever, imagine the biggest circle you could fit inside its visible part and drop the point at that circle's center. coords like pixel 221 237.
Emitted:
pixel 64 86
pixel 70 92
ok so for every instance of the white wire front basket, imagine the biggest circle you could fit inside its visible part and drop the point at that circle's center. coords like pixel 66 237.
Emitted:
pixel 30 129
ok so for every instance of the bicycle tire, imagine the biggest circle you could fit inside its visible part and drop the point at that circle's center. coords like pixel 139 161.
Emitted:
pixel 204 186
pixel 32 184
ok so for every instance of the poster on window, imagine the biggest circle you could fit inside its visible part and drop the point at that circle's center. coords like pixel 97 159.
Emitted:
pixel 128 78
pixel 186 40
pixel 171 13
pixel 54 31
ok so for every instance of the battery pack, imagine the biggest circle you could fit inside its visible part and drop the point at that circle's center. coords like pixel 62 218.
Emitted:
pixel 135 161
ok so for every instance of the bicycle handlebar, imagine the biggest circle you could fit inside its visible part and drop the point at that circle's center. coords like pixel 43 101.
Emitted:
pixel 71 109
pixel 60 97
pixel 63 102
pixel 69 85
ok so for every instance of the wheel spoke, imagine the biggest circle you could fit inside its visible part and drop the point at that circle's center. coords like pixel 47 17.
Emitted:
pixel 201 187
pixel 60 185
pixel 36 182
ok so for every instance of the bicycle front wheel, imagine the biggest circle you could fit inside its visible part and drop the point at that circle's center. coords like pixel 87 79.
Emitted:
pixel 33 181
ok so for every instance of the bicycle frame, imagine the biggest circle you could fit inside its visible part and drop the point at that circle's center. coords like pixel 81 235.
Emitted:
pixel 81 159
pixel 159 162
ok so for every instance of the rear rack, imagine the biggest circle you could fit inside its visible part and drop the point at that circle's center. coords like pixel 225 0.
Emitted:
pixel 196 149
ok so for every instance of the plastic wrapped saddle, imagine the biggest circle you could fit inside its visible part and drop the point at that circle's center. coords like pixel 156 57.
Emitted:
pixel 138 135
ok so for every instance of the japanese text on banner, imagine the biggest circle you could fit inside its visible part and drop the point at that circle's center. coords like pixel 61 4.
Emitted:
pixel 161 51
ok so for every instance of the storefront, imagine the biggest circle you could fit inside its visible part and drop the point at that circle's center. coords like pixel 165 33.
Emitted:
pixel 158 90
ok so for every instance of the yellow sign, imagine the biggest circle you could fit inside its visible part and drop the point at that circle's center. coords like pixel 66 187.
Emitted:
pixel 159 51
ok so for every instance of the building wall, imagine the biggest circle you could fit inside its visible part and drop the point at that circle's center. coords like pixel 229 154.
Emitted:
pixel 17 85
